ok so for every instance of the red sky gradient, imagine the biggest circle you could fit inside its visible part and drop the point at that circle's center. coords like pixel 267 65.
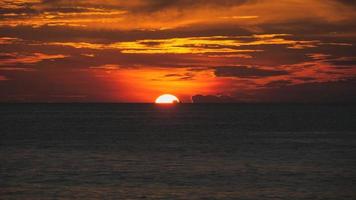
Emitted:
pixel 205 50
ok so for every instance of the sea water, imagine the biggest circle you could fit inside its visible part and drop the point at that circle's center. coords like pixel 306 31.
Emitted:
pixel 182 151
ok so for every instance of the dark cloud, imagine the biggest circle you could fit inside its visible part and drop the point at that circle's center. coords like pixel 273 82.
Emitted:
pixel 333 91
pixel 344 62
pixel 160 4
pixel 212 99
pixel 348 2
pixel 247 72
pixel 72 34
pixel 182 77
pixel 6 56
pixel 25 10
pixel 342 91
pixel 305 78
pixel 173 75
pixel 150 5
pixel 30 11
pixel 56 85
pixel 278 84
pixel 151 44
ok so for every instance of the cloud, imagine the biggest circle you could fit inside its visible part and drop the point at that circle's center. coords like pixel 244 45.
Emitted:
pixel 280 83
pixel 348 2
pixel 9 40
pixel 9 59
pixel 24 69
pixel 341 91
pixel 344 61
pixel 3 78
pixel 107 67
pixel 332 91
pixel 247 72
pixel 159 15
pixel 263 47
pixel 234 45
pixel 212 99
pixel 180 77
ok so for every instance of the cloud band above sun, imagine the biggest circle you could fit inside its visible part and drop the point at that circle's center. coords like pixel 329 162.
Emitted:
pixel 133 51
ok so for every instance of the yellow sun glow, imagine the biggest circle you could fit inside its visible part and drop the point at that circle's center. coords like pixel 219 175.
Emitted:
pixel 167 99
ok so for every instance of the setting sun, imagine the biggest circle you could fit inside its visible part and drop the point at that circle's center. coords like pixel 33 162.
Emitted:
pixel 167 99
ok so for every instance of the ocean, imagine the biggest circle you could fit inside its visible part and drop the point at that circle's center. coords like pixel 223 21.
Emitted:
pixel 182 151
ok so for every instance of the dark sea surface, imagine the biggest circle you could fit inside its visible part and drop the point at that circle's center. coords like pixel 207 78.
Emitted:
pixel 183 151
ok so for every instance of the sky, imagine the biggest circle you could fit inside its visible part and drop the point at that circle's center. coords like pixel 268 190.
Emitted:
pixel 198 50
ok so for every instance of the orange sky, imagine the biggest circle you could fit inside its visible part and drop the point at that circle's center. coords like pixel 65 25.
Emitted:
pixel 133 51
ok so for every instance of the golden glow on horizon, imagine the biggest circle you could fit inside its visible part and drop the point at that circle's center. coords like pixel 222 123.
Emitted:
pixel 167 99
pixel 141 84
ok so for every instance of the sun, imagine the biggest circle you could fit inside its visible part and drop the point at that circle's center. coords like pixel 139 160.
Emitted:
pixel 167 99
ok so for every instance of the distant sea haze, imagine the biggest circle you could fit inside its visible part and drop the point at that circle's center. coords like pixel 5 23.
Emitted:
pixel 180 151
